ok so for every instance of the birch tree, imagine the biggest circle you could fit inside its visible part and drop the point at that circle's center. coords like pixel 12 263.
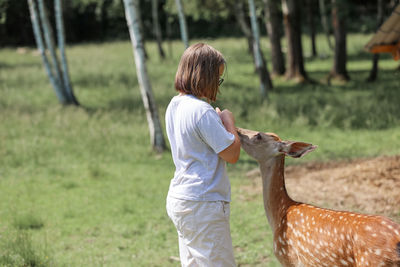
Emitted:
pixel 61 46
pixel 59 78
pixel 132 19
pixel 265 81
pixel 37 32
pixel 182 23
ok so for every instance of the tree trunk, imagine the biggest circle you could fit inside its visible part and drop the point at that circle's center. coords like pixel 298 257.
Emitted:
pixel 60 81
pixel 273 25
pixel 261 66
pixel 156 27
pixel 311 25
pixel 339 70
pixel 375 58
pixel 49 40
pixel 156 133
pixel 141 29
pixel 295 62
pixel 61 45
pixel 182 23
pixel 41 47
pixel 241 20
pixel 324 21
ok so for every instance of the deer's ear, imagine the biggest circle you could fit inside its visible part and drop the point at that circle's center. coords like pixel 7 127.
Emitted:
pixel 296 149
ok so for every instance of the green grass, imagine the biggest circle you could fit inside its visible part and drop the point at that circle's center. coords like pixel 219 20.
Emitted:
pixel 81 186
pixel 19 250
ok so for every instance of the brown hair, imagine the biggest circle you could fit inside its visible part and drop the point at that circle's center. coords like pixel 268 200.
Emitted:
pixel 198 71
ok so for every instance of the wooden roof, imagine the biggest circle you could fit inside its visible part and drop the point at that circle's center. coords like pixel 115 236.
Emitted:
pixel 387 38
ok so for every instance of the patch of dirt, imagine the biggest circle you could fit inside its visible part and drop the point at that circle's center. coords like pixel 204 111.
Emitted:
pixel 363 185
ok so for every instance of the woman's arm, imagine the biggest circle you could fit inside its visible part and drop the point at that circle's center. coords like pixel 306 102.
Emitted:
pixel 231 153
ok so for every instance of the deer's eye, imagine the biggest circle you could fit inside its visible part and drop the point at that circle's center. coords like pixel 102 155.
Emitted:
pixel 258 137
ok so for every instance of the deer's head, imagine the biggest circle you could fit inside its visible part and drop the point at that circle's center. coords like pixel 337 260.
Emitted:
pixel 263 146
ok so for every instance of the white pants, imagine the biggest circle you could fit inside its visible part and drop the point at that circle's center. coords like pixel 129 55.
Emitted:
pixel 204 232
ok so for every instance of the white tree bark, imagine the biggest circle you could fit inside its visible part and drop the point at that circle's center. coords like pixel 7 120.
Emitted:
pixel 40 45
pixel 156 133
pixel 265 81
pixel 61 47
pixel 45 44
pixel 182 23
pixel 49 40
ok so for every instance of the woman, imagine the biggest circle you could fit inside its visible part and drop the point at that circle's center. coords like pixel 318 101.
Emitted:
pixel 202 141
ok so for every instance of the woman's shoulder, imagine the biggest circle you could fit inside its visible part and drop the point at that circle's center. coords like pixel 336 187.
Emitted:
pixel 193 103
pixel 192 107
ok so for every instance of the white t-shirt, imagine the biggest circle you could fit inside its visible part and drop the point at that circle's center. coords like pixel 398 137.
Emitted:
pixel 196 135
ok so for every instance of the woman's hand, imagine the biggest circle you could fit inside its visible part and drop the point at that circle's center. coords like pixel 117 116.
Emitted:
pixel 227 119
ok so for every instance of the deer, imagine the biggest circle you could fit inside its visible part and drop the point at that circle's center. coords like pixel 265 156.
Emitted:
pixel 307 235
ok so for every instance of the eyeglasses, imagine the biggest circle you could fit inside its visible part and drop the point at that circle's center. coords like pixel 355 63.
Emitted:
pixel 221 80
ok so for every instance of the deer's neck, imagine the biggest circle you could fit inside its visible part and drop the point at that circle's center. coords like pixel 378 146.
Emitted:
pixel 276 199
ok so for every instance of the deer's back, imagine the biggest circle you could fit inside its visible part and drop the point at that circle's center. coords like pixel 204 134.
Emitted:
pixel 311 236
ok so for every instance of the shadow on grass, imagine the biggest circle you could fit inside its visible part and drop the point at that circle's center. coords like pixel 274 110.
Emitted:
pixel 361 55
pixel 6 66
pixel 28 221
pixel 108 80
pixel 131 105
pixel 19 65
pixel 357 83
pixel 353 56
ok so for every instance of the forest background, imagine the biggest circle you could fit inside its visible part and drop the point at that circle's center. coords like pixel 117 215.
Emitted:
pixel 104 20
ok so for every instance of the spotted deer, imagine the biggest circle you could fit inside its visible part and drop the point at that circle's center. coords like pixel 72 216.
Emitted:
pixel 305 235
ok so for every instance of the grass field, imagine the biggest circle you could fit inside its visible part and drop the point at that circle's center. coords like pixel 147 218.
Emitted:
pixel 81 186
